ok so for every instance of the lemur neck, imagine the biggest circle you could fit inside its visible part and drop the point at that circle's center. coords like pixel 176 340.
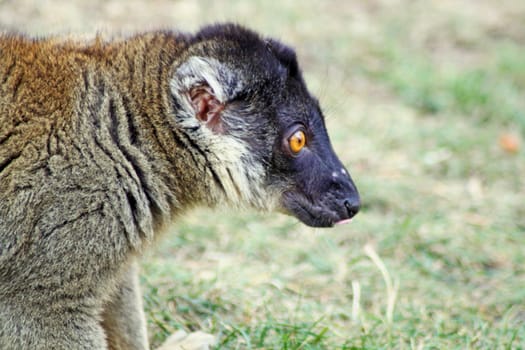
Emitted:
pixel 171 168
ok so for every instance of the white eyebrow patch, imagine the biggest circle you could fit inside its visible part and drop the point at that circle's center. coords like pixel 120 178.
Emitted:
pixel 343 171
pixel 334 174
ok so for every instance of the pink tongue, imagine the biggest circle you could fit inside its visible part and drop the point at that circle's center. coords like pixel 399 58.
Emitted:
pixel 342 222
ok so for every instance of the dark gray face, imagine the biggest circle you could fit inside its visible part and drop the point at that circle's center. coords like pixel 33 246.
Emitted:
pixel 319 190
pixel 314 185
pixel 249 93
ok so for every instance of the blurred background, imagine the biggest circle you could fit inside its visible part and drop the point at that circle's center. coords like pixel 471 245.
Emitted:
pixel 425 104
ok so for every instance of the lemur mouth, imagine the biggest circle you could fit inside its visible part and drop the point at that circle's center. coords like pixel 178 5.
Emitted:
pixel 325 213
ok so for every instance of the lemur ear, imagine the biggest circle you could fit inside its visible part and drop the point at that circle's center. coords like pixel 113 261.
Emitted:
pixel 206 106
pixel 202 86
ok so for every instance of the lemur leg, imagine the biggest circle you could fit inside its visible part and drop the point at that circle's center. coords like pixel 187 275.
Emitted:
pixel 125 326
pixel 123 317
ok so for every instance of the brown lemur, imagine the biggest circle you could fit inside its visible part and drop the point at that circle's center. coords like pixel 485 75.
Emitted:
pixel 104 143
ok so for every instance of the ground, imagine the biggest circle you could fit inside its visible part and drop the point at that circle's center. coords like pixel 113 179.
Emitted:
pixel 425 104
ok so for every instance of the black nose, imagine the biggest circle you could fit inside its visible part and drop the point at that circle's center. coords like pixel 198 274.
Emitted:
pixel 352 207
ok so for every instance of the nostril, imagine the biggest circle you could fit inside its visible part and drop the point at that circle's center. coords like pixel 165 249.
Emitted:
pixel 352 207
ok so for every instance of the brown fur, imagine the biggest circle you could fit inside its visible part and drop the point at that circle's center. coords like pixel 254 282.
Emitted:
pixel 53 164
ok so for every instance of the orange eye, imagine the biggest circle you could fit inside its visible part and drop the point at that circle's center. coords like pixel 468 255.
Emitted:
pixel 297 141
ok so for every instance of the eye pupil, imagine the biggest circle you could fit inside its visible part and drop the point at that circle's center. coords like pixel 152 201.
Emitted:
pixel 297 141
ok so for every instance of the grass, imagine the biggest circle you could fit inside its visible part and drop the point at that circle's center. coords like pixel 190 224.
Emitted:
pixel 435 260
pixel 488 93
pixel 418 96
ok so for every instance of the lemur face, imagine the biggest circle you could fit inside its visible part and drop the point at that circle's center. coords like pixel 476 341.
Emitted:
pixel 318 189
pixel 265 130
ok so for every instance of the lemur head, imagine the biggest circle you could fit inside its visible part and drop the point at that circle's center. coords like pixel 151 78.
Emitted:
pixel 243 101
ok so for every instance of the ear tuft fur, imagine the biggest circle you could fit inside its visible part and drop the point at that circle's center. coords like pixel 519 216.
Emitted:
pixel 203 86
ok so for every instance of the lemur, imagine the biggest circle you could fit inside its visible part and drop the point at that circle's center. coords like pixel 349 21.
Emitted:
pixel 103 143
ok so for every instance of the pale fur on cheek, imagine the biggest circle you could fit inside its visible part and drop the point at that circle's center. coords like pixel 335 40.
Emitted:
pixel 240 174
